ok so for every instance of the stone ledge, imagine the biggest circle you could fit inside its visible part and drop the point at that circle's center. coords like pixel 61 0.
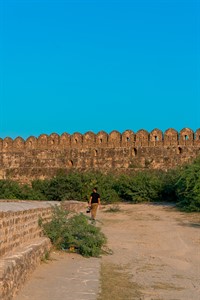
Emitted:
pixel 15 268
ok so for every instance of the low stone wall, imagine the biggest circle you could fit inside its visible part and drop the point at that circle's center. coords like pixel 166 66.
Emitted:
pixel 22 244
pixel 19 224
pixel 15 268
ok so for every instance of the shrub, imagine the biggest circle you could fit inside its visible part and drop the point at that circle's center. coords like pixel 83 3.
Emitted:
pixel 67 231
pixel 139 187
pixel 12 190
pixel 188 187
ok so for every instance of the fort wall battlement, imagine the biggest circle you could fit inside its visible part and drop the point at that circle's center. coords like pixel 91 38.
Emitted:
pixel 41 157
pixel 156 138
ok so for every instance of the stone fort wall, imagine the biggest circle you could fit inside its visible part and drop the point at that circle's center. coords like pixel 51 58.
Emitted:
pixel 22 243
pixel 42 157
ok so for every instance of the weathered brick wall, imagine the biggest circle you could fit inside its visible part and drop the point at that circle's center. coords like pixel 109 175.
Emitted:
pixel 20 227
pixel 22 244
pixel 17 267
pixel 42 157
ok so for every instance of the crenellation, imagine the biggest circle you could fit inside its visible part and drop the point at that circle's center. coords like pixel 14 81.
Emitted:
pixel 65 141
pixel 170 137
pixel 102 139
pixel 142 138
pixel 186 137
pixel 18 144
pixel 197 137
pixel 128 139
pixel 42 142
pixel 53 141
pixel 114 139
pixel 7 144
pixel 31 143
pixel 156 138
pixel 42 157
pixel 1 144
pixel 89 140
pixel 76 140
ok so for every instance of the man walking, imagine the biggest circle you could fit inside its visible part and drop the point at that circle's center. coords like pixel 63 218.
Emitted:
pixel 94 203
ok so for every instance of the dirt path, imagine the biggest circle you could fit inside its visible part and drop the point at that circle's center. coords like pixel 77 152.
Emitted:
pixel 158 246
pixel 156 256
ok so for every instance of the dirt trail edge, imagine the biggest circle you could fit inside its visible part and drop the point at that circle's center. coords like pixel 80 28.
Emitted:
pixel 157 247
pixel 156 256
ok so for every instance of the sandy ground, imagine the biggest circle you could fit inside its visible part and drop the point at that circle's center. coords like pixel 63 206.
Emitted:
pixel 158 246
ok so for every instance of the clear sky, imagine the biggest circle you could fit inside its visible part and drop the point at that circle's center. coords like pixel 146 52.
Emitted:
pixel 91 65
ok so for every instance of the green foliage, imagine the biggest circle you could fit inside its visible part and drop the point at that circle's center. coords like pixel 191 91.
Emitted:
pixel 169 180
pixel 139 187
pixel 12 190
pixel 74 231
pixel 188 187
pixel 181 185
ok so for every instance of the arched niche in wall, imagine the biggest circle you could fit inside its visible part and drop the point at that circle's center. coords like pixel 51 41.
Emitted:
pixel 197 137
pixel 95 152
pixel 102 139
pixel 89 139
pixel 156 137
pixel 7 144
pixel 43 141
pixel 76 140
pixel 31 143
pixel 128 138
pixel 53 140
pixel 18 144
pixel 179 150
pixel 142 138
pixel 171 137
pixel 114 139
pixel 65 140
pixel 70 163
pixel 186 137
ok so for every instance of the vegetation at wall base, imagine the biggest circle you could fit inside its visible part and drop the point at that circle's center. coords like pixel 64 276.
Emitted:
pixel 188 187
pixel 67 232
pixel 181 185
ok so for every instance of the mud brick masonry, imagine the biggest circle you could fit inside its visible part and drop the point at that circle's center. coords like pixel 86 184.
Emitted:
pixel 22 243
pixel 25 160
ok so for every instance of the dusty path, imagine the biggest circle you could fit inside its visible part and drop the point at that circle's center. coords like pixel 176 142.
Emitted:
pixel 159 247
pixel 65 277
pixel 156 245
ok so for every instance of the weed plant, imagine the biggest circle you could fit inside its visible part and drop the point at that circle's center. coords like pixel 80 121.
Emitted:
pixel 74 231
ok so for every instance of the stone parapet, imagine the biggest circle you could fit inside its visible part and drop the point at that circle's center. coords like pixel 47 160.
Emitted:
pixel 16 268
pixel 19 223
pixel 22 244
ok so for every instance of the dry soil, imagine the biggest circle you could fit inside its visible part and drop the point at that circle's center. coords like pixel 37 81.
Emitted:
pixel 157 247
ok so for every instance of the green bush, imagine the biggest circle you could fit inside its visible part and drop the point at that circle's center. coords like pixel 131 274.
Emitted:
pixel 188 187
pixel 139 187
pixel 12 190
pixel 181 185
pixel 168 181
pixel 67 231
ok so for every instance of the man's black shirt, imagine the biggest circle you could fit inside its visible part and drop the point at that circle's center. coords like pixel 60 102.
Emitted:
pixel 95 197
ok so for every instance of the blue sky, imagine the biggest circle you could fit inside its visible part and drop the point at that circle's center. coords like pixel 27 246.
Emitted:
pixel 68 66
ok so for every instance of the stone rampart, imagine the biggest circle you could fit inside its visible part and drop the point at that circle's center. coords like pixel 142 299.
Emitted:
pixel 22 244
pixel 42 157
pixel 20 225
